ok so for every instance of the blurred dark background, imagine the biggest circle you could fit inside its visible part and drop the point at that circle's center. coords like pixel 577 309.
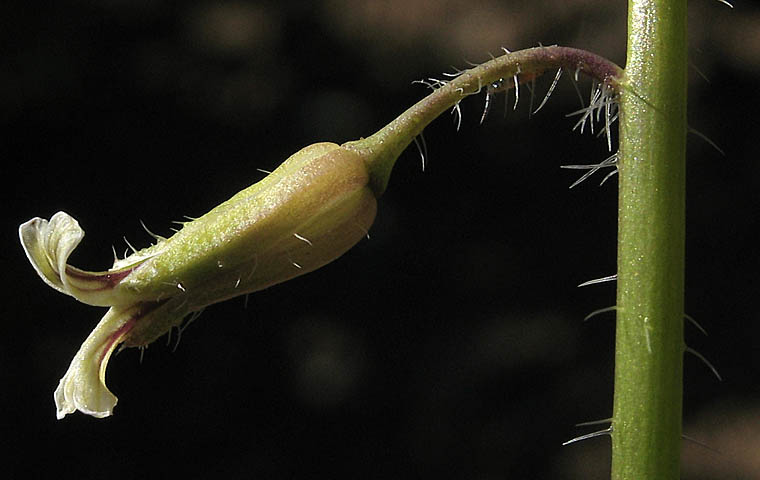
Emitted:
pixel 450 344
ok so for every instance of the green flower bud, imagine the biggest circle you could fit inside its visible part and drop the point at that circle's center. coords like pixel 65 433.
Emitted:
pixel 308 212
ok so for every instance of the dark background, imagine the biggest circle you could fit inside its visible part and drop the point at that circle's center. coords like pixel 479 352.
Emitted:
pixel 450 344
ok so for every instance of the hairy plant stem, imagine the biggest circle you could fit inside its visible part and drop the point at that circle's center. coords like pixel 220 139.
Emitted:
pixel 646 425
pixel 381 150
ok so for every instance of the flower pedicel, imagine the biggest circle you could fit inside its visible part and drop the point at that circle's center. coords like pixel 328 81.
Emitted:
pixel 314 207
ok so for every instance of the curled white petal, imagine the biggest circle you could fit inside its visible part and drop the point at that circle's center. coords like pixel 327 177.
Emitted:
pixel 48 245
pixel 83 387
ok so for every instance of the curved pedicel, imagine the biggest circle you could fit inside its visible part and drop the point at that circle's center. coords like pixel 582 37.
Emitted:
pixel 309 211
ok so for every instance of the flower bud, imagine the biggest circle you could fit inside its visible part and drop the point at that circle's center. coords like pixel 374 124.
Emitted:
pixel 306 213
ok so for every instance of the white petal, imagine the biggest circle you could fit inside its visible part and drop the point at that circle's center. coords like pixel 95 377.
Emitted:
pixel 83 387
pixel 48 245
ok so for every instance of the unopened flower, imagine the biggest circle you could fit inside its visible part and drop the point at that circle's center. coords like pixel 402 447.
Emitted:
pixel 306 213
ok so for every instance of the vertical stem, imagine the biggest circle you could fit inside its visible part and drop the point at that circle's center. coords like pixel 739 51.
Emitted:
pixel 649 338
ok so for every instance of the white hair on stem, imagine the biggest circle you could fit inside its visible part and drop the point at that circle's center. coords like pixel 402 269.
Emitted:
pixel 599 433
pixel 531 89
pixel 574 81
pixel 419 142
pixel 517 91
pixel 599 312
pixel 134 250
pixel 156 237
pixel 602 101
pixel 608 176
pixel 594 422
pixel 550 91
pixel 608 162
pixel 695 323
pixel 705 361
pixel 457 112
pixel 303 239
pixel 706 139
pixel 487 106
pixel 610 278
pixel 701 444
pixel 183 327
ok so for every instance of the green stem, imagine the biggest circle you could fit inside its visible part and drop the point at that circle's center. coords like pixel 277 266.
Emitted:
pixel 381 150
pixel 649 348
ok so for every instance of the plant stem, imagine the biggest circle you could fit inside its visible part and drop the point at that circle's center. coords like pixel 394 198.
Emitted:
pixel 381 150
pixel 649 348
